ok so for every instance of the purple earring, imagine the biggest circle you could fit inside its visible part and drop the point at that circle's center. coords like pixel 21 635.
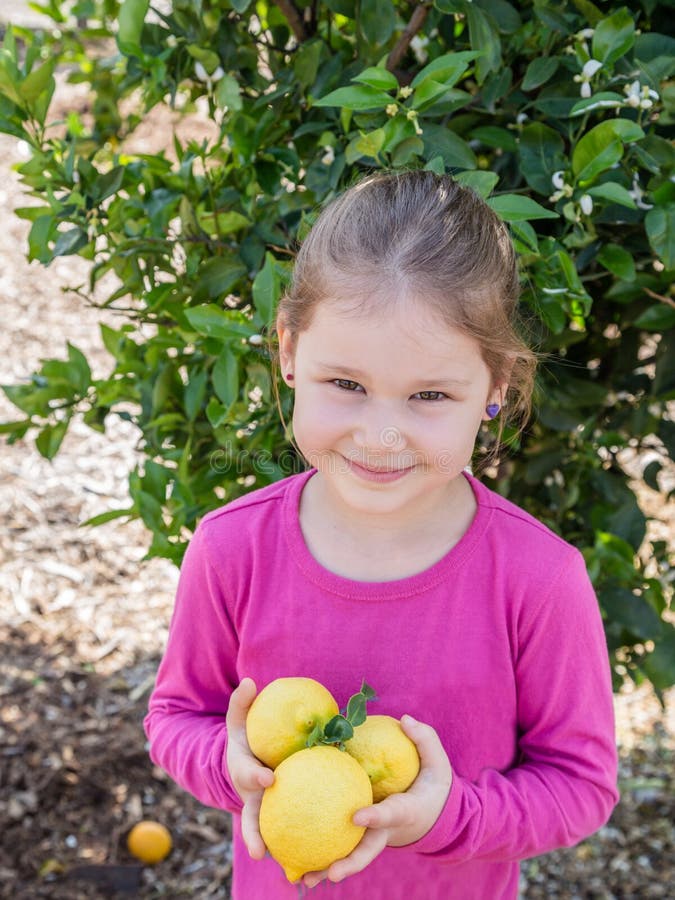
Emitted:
pixel 492 409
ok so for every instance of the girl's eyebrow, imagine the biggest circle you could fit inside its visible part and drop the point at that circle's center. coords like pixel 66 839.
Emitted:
pixel 443 382
pixel 423 384
pixel 344 371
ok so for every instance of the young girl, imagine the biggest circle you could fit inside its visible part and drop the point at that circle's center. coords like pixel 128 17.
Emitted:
pixel 387 561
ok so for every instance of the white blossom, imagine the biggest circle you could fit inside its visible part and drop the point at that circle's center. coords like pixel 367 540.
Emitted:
pixel 589 70
pixel 329 156
pixel 582 37
pixel 418 45
pixel 201 72
pixel 558 179
pixel 563 189
pixel 637 194
pixel 638 95
pixel 203 75
pixel 256 340
pixel 411 115
pixel 586 204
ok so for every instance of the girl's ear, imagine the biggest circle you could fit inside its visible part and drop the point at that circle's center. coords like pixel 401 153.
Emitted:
pixel 496 397
pixel 286 347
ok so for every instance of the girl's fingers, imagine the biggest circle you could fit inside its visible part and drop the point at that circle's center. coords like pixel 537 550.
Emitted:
pixel 247 773
pixel 251 775
pixel 429 747
pixel 371 845
pixel 250 830
pixel 392 812
pixel 240 703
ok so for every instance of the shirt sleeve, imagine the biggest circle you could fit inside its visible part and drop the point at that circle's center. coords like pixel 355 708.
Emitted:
pixel 185 724
pixel 563 786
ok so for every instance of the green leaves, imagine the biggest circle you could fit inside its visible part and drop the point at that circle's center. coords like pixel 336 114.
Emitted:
pixel 660 227
pixel 602 147
pixel 514 208
pixel 541 152
pixel 359 97
pixel 446 69
pixel 377 20
pixel 341 728
pixel 613 37
pixel 266 289
pixel 216 277
pixel 377 78
pixel 356 707
pixel 51 396
pixel 486 38
pixel 211 321
pixel 618 261
pixel 26 83
pixel 539 71
pixel 130 24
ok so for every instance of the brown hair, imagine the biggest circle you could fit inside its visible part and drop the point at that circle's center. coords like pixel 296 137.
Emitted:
pixel 424 236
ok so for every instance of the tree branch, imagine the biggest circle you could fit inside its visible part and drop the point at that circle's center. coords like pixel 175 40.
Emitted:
pixel 667 300
pixel 411 29
pixel 292 13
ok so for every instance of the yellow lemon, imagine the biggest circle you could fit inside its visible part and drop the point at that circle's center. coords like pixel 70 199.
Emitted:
pixel 306 815
pixel 386 753
pixel 149 841
pixel 283 715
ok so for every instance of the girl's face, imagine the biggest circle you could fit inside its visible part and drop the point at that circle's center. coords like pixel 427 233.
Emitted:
pixel 387 406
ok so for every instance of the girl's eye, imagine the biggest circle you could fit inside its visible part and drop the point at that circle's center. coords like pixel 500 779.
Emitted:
pixel 431 395
pixel 346 384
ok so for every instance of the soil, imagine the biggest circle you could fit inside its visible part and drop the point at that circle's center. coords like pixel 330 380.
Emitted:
pixel 83 620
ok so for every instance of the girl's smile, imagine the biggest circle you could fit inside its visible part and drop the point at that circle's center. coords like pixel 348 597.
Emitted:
pixel 378 473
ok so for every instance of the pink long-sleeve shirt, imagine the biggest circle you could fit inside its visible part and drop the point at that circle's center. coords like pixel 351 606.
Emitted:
pixel 499 646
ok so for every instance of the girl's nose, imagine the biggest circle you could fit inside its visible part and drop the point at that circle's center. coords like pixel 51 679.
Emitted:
pixel 379 435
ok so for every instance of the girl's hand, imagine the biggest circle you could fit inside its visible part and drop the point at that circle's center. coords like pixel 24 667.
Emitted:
pixel 400 818
pixel 248 775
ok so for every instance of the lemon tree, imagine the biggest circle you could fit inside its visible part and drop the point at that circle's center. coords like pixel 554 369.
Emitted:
pixel 558 114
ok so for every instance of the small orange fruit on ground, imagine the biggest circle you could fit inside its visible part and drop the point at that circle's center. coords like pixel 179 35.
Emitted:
pixel 284 714
pixel 386 753
pixel 149 841
pixel 306 815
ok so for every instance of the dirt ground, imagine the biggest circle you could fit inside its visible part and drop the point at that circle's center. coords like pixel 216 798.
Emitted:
pixel 83 621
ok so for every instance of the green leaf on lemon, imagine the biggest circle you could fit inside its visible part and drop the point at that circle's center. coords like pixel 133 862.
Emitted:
pixel 341 727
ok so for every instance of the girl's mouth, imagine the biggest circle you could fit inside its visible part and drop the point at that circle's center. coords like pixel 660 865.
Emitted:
pixel 371 473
